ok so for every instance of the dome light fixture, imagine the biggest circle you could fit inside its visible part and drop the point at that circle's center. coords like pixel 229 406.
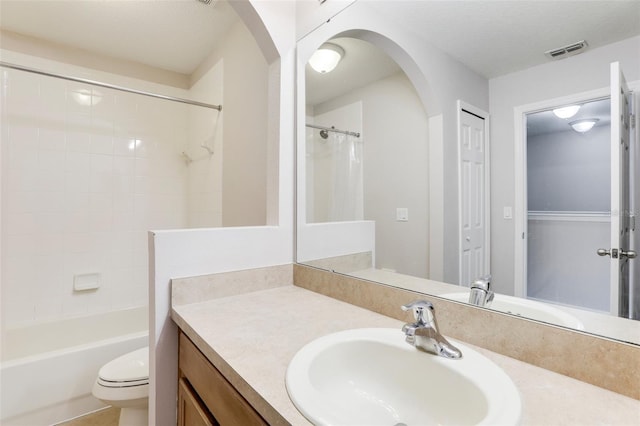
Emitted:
pixel 567 111
pixel 582 126
pixel 326 58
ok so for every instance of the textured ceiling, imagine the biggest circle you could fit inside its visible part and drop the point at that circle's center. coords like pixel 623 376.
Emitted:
pixel 496 37
pixel 545 122
pixel 492 37
pixel 175 35
pixel 362 64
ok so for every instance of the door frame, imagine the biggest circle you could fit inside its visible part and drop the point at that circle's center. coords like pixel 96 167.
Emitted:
pixel 520 171
pixel 463 106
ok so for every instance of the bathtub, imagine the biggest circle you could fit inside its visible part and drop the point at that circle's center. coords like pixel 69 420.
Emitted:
pixel 48 369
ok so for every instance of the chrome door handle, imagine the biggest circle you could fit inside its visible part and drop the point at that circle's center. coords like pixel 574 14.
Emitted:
pixel 604 252
pixel 630 254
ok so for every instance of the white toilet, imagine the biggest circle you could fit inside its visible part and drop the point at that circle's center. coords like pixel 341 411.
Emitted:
pixel 124 383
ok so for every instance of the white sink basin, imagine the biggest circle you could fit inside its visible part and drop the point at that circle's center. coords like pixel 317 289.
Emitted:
pixel 525 308
pixel 373 377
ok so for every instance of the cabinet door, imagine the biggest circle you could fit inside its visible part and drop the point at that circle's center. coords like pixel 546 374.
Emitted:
pixel 222 400
pixel 190 410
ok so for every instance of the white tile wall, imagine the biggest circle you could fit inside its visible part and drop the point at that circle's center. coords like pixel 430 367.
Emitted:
pixel 82 184
pixel 205 172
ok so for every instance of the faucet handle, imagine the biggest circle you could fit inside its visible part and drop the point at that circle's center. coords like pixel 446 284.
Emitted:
pixel 419 310
pixel 483 283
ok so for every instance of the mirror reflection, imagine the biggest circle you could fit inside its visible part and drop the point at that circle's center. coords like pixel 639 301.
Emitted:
pixel 391 206
pixel 569 192
pixel 372 175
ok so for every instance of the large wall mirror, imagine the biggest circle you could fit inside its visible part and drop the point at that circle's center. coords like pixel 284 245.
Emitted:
pixel 386 194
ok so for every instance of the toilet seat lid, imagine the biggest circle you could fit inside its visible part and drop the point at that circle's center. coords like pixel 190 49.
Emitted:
pixel 130 367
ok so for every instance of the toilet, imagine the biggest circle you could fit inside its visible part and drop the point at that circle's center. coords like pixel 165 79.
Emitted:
pixel 124 383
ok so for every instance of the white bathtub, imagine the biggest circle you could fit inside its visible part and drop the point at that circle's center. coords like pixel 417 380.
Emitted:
pixel 48 369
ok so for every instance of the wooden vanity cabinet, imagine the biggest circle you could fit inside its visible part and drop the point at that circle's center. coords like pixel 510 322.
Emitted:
pixel 205 397
pixel 191 410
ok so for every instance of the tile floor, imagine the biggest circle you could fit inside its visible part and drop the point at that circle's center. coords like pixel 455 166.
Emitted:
pixel 107 417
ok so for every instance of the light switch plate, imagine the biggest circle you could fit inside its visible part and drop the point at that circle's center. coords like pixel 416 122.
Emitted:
pixel 508 212
pixel 402 214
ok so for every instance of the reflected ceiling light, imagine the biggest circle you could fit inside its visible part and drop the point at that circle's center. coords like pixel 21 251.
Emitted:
pixel 566 112
pixel 326 58
pixel 135 143
pixel 585 125
pixel 87 97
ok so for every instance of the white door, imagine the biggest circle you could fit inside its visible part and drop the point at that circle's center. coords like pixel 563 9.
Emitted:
pixel 619 251
pixel 473 187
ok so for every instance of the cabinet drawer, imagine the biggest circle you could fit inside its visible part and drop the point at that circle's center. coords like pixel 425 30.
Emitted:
pixel 220 397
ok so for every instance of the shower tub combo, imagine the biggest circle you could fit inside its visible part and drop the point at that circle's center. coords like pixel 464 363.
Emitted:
pixel 48 369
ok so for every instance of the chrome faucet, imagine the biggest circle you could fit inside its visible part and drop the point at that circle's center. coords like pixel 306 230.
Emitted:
pixel 424 334
pixel 481 294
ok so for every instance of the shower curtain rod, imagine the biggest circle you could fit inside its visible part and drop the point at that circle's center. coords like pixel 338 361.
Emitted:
pixel 109 86
pixel 333 129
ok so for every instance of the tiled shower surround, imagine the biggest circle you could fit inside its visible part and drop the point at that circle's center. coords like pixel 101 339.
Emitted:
pixel 86 172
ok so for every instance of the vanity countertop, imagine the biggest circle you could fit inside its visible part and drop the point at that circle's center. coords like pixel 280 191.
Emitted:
pixel 252 337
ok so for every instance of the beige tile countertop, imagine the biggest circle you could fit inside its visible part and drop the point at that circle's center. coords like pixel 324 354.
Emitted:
pixel 252 337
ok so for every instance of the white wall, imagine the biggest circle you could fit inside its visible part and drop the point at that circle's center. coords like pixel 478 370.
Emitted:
pixel 184 253
pixel 582 73
pixel 205 127
pixel 396 170
pixel 245 97
pixel 236 75
pixel 557 270
pixel 310 14
pixel 331 239
pixel 570 171
pixel 396 173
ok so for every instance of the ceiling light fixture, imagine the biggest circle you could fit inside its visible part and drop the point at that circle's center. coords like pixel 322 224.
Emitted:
pixel 326 58
pixel 567 111
pixel 585 125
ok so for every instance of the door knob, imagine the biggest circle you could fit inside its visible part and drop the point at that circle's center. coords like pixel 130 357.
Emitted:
pixel 630 254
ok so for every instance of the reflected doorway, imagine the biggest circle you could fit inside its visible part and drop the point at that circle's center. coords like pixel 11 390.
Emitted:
pixel 568 204
pixel 621 251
